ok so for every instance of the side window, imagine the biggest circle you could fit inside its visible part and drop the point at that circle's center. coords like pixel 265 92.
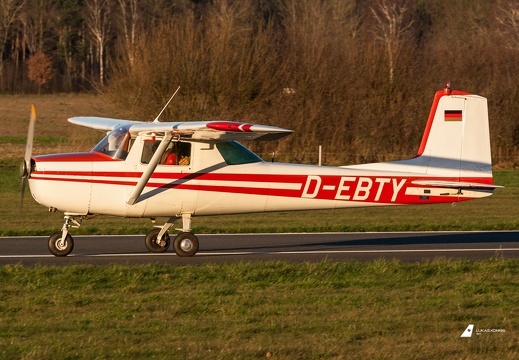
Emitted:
pixel 235 153
pixel 177 153
pixel 148 150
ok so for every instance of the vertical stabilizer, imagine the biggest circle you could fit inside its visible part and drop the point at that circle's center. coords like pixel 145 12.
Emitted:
pixel 455 147
pixel 456 142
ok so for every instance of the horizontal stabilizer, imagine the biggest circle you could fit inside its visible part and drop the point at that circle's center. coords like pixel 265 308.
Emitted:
pixel 456 184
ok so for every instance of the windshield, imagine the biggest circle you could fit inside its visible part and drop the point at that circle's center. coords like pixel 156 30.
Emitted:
pixel 116 143
pixel 235 153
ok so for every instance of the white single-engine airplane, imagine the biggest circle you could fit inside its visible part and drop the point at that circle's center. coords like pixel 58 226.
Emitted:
pixel 179 170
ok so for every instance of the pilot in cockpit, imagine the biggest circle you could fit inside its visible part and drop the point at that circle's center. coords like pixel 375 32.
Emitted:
pixel 115 144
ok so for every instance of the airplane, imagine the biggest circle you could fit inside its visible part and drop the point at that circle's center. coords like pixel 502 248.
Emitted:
pixel 180 170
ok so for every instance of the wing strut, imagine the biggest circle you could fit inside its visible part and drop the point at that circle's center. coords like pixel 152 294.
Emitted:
pixel 149 170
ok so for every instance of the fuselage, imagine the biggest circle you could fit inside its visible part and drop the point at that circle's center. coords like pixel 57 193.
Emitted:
pixel 225 179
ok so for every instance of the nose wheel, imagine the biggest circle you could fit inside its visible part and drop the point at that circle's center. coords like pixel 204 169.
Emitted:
pixel 59 245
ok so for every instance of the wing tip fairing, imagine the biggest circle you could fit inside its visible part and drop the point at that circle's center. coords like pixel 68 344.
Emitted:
pixel 247 131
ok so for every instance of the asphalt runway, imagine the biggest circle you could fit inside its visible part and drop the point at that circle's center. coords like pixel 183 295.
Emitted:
pixel 294 247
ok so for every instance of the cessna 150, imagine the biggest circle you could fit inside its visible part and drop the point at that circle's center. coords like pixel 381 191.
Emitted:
pixel 179 170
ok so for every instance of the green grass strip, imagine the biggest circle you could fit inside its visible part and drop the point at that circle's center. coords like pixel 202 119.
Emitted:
pixel 41 140
pixel 326 310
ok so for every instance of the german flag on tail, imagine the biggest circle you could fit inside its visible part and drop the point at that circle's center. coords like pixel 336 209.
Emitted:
pixel 453 115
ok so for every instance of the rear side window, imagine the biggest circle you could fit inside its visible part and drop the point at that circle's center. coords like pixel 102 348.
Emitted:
pixel 235 153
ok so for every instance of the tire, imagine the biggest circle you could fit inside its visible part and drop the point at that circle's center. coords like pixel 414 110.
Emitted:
pixel 185 244
pixel 60 249
pixel 151 241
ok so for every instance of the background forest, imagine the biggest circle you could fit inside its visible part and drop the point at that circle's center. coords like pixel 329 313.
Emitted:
pixel 355 76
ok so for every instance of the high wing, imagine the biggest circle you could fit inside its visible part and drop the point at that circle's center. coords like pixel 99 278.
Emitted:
pixel 187 131
pixel 197 130
pixel 100 123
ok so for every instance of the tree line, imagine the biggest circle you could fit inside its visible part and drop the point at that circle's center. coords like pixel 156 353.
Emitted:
pixel 355 76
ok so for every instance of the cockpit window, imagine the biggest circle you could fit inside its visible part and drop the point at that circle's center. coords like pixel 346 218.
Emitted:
pixel 177 153
pixel 116 144
pixel 235 153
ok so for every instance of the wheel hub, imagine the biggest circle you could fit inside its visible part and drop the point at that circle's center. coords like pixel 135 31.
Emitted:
pixel 186 245
pixel 161 242
pixel 61 244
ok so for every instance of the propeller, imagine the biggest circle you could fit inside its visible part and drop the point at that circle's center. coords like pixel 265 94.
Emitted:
pixel 25 169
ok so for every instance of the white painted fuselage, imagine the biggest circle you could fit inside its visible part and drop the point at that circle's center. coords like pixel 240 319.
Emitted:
pixel 208 186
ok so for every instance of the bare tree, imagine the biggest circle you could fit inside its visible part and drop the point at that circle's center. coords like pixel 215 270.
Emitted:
pixel 507 15
pixel 37 20
pixel 9 12
pixel 391 28
pixel 98 18
pixel 130 14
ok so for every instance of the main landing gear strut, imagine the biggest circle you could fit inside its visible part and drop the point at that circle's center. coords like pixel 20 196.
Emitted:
pixel 185 243
pixel 156 241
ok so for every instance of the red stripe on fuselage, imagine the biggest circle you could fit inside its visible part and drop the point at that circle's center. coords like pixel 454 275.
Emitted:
pixel 294 179
pixel 371 189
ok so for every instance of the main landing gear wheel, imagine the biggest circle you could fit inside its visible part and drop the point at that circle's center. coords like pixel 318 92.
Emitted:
pixel 59 247
pixel 185 244
pixel 157 247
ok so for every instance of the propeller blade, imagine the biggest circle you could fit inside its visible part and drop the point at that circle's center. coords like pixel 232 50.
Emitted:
pixel 22 193
pixel 30 140
pixel 25 170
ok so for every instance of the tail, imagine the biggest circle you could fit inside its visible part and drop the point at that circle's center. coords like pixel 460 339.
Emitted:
pixel 455 148
pixel 456 141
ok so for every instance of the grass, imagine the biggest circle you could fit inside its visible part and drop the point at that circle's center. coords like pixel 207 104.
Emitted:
pixel 38 140
pixel 327 310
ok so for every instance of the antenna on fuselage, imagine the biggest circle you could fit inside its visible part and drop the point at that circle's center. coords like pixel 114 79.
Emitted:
pixel 164 108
